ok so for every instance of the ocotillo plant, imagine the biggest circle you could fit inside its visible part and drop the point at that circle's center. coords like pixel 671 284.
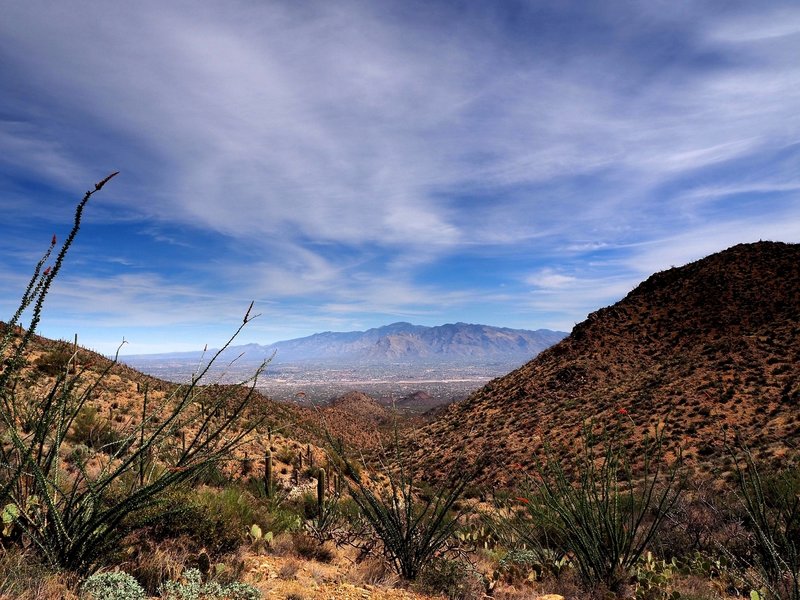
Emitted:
pixel 605 515
pixel 77 518
pixel 773 508
pixel 413 528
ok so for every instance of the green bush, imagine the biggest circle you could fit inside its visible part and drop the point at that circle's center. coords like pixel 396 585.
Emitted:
pixel 234 508
pixel 217 519
pixel 79 454
pixel 454 579
pixel 184 514
pixel 523 564
pixel 114 585
pixel 97 433
pixel 57 360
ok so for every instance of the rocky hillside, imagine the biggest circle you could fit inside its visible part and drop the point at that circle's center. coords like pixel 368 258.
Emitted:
pixel 698 349
pixel 356 419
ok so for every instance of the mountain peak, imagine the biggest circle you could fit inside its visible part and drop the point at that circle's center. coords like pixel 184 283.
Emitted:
pixel 406 341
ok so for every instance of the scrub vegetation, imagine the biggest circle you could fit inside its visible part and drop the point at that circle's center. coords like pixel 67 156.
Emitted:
pixel 115 485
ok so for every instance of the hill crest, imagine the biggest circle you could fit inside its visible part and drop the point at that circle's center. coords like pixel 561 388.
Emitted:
pixel 693 349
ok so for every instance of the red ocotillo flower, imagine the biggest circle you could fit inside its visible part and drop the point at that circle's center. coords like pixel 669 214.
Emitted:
pixel 622 411
pixel 53 241
pixel 46 271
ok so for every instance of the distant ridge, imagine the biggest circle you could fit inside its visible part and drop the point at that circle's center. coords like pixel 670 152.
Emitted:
pixel 398 341
pixel 711 345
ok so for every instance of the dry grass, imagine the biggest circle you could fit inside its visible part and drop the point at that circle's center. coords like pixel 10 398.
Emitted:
pixel 22 577
pixel 289 570
pixel 374 570
pixel 153 564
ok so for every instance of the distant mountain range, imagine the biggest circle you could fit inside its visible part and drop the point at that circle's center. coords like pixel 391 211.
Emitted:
pixel 402 342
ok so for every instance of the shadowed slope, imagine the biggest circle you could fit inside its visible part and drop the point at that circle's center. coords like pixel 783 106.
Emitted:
pixel 712 344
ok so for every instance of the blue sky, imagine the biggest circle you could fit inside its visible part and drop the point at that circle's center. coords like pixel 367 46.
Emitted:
pixel 349 164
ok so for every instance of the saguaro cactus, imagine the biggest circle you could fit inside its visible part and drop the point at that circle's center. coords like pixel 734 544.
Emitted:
pixel 268 483
pixel 320 491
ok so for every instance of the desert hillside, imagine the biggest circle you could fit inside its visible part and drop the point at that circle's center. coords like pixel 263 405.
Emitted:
pixel 702 348
pixel 698 352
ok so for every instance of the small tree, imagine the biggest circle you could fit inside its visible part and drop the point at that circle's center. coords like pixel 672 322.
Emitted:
pixel 74 519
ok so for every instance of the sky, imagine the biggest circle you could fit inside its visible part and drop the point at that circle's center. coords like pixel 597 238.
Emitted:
pixel 350 164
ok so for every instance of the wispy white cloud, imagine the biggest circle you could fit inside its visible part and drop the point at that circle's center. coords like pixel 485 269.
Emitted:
pixel 349 150
pixel 22 146
pixel 681 248
pixel 563 306
pixel 758 25
pixel 549 279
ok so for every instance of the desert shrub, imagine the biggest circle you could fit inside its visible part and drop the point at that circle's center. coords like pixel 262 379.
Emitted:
pixel 521 564
pixel 211 475
pixel 697 519
pixel 605 514
pixel 455 579
pixel 277 511
pixel 217 519
pixel 286 454
pixel 152 563
pixel 234 508
pixel 289 569
pixel 73 521
pixel 306 505
pixel 114 585
pixel 27 412
pixel 56 360
pixel 328 523
pixel 183 514
pixel 79 454
pixel 192 587
pixel 96 432
pixel 307 547
pixel 373 570
pixel 284 520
